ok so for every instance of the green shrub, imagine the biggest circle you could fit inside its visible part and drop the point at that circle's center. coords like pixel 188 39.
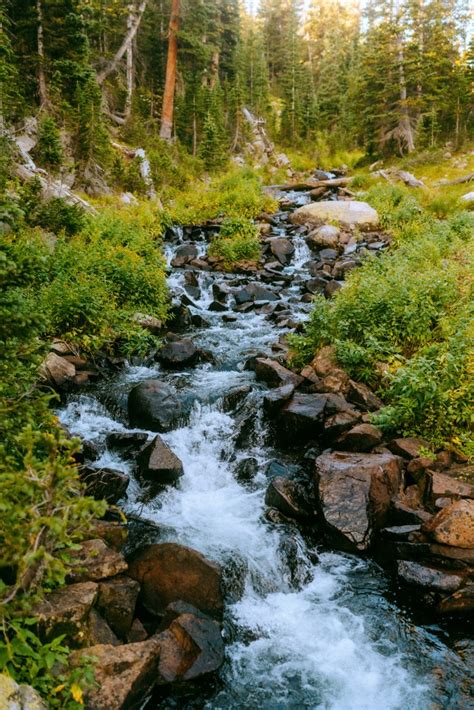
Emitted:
pixel 408 314
pixel 48 151
pixel 237 241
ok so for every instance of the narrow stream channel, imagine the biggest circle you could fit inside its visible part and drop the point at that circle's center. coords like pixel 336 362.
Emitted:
pixel 311 629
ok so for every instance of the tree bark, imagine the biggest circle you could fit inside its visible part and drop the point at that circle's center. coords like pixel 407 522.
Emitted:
pixel 170 80
pixel 404 125
pixel 126 44
pixel 130 65
pixel 42 86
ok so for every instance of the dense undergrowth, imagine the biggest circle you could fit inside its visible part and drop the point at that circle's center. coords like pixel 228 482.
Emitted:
pixel 404 322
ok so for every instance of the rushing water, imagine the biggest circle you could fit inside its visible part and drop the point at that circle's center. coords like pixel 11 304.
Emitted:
pixel 317 633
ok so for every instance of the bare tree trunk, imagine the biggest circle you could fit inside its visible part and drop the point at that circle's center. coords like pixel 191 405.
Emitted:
pixel 214 69
pixel 130 66
pixel 126 44
pixel 404 125
pixel 170 80
pixel 42 86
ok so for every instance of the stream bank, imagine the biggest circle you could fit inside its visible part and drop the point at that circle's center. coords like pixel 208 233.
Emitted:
pixel 304 625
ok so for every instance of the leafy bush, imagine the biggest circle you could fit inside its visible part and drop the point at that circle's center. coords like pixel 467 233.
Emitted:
pixel 408 315
pixel 237 241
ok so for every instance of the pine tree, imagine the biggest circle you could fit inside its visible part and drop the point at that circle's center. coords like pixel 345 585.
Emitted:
pixel 48 150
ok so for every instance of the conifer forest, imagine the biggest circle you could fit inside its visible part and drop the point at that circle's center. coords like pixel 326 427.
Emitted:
pixel 236 354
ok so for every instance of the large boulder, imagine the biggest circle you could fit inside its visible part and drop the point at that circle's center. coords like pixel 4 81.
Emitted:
pixel 274 374
pixel 349 214
pixel 57 370
pixel 354 493
pixel 302 417
pixel 179 353
pixel 362 437
pixel 158 464
pixel 192 647
pixel 124 675
pixel 454 525
pixel 153 405
pixel 168 572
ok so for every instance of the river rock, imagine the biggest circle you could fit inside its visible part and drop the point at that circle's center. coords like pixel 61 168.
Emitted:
pixel 104 483
pixel 302 417
pixel 94 561
pixel 168 572
pixel 14 696
pixel 324 237
pixel 116 602
pixel 349 214
pixel 453 525
pixel 252 292
pixel 338 423
pixel 128 443
pixel 150 323
pixel 57 370
pixel 362 437
pixel 158 464
pixel 276 398
pixel 191 648
pixel 178 353
pixel 418 575
pixel 362 396
pixel 153 405
pixel 354 492
pixel 409 447
pixel 274 374
pixel 287 497
pixel 441 485
pixel 124 675
pixel 282 249
pixel 66 611
pixel 246 470
pixel 98 631
pixel 461 602
pixel 184 255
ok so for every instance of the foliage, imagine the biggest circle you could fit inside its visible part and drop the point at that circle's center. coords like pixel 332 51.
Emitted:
pixel 403 322
pixel 237 241
pixel 48 150
pixel 237 193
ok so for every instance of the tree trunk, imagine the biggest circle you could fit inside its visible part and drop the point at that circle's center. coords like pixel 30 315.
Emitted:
pixel 126 44
pixel 405 130
pixel 130 65
pixel 42 86
pixel 170 80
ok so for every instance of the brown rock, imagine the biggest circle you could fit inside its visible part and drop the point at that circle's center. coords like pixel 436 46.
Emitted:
pixel 191 648
pixel 363 397
pixel 124 675
pixel 408 447
pixel 276 398
pixel 340 422
pixel 116 602
pixel 98 631
pixel 302 417
pixel 57 370
pixel 153 405
pixel 274 374
pixel 157 463
pixel 354 492
pixel 441 485
pixel 95 561
pixel 453 525
pixel 309 374
pixel 362 437
pixel 168 572
pixel 104 483
pixel 113 533
pixel 137 632
pixel 66 611
pixel 461 601
pixel 287 497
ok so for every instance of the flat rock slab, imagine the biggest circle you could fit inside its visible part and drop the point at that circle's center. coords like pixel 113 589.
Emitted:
pixel 66 610
pixel 349 214
pixel 94 561
pixel 418 575
pixel 354 493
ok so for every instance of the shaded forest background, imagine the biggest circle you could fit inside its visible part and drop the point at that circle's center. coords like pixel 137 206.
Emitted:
pixel 390 77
